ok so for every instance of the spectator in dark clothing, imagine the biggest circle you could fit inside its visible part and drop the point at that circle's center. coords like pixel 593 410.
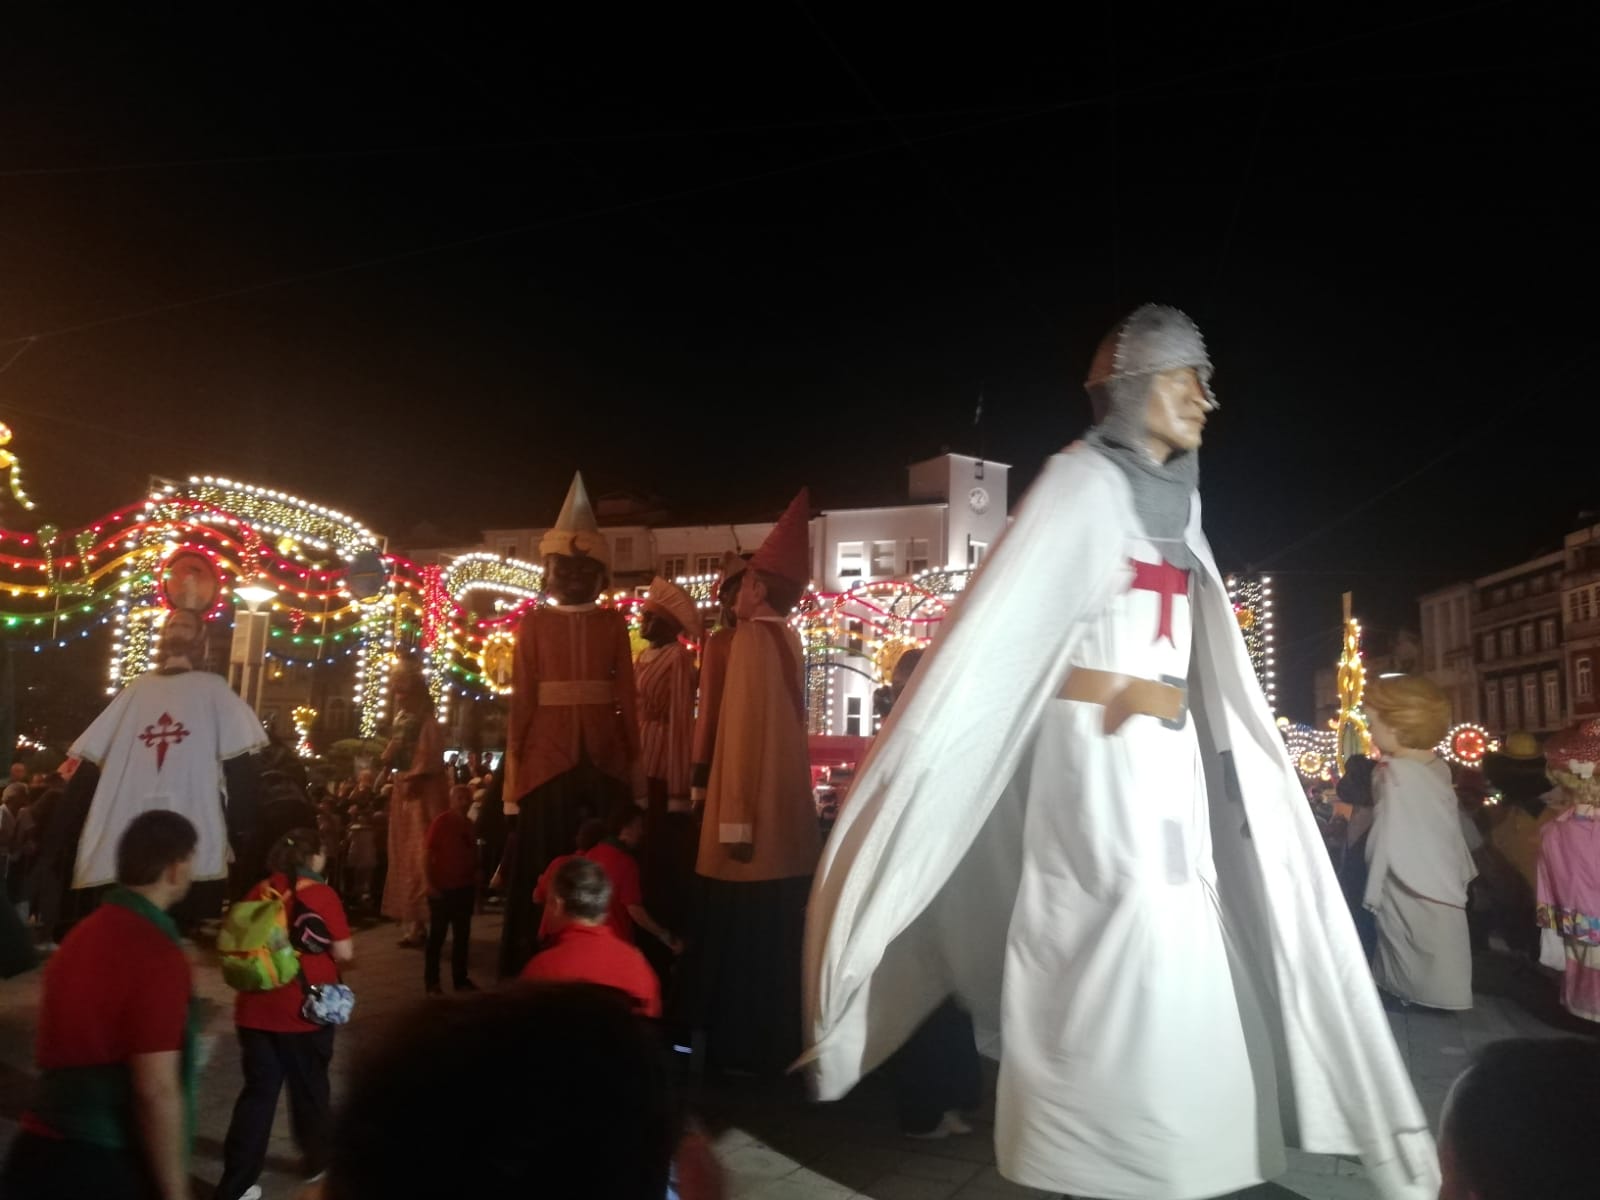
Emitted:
pixel 602 1125
pixel 1355 789
pixel 1512 1125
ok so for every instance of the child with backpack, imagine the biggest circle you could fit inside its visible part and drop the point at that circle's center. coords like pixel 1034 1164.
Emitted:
pixel 284 1021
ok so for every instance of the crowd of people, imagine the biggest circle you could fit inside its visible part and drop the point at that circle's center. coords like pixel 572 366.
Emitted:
pixel 1078 793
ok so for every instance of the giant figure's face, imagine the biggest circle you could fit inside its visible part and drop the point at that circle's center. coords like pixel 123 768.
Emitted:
pixel 1176 411
pixel 574 579
pixel 180 634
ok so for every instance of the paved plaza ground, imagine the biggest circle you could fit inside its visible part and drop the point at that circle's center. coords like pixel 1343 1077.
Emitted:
pixel 774 1145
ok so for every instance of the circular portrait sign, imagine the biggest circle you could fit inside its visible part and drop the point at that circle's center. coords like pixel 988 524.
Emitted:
pixel 190 581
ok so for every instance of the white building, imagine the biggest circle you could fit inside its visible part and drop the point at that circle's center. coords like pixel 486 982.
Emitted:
pixel 957 507
pixel 1447 647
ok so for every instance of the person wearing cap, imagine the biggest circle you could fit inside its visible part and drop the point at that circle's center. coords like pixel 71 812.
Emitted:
pixel 664 675
pixel 573 735
pixel 1568 890
pixel 1081 820
pixel 759 838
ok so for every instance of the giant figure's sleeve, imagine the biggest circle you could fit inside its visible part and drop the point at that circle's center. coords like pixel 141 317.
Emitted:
pixel 94 743
pixel 524 698
pixel 713 672
pixel 952 744
pixel 1380 842
pixel 680 725
pixel 627 689
pixel 238 728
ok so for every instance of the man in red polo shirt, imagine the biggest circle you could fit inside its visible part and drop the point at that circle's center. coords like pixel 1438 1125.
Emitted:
pixel 587 950
pixel 113 1114
pixel 451 867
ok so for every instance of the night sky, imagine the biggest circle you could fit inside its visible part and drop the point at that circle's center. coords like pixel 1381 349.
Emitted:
pixel 421 265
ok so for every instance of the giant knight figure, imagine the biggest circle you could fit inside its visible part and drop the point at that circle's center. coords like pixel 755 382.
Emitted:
pixel 1081 820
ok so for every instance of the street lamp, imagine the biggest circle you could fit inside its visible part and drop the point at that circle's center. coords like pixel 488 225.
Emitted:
pixel 247 657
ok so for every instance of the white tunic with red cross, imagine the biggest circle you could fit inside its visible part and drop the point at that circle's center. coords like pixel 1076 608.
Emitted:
pixel 1120 1005
pixel 161 744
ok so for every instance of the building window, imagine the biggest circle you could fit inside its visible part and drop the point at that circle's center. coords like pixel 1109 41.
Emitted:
pixel 1525 638
pixel 508 549
pixel 1585 678
pixel 1508 643
pixel 707 564
pixel 1530 699
pixel 1586 604
pixel 1537 585
pixel 883 559
pixel 852 628
pixel 674 566
pixel 977 469
pixel 1498 596
pixel 975 552
pixel 852 716
pixel 1572 608
pixel 851 565
pixel 1518 590
pixel 1552 698
pixel 622 551
pixel 1508 697
pixel 1488 647
pixel 1491 706
pixel 916 555
pixel 1547 633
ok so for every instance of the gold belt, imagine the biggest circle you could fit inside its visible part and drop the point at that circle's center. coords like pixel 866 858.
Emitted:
pixel 577 691
pixel 1124 696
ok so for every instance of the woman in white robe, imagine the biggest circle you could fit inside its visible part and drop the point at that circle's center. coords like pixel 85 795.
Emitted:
pixel 1418 862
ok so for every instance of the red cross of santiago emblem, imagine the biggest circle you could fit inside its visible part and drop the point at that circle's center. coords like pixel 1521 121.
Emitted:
pixel 164 732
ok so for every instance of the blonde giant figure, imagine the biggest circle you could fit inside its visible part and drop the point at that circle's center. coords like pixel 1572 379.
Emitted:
pixel 1418 863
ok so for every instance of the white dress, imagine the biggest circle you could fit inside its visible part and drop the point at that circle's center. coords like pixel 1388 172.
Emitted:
pixel 1149 1034
pixel 161 744
pixel 1419 868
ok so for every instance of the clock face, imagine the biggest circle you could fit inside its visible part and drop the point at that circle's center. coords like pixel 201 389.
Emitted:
pixel 978 499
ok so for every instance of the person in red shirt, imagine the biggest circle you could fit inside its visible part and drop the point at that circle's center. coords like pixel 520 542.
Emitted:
pixel 589 835
pixel 278 1044
pixel 587 950
pixel 113 1116
pixel 452 878
pixel 618 855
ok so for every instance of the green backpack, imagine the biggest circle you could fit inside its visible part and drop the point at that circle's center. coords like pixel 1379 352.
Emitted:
pixel 254 944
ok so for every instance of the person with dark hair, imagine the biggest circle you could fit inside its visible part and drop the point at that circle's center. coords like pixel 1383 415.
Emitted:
pixel 605 1127
pixel 759 839
pixel 1508 1130
pixel 618 855
pixel 113 1114
pixel 452 878
pixel 584 947
pixel 278 1045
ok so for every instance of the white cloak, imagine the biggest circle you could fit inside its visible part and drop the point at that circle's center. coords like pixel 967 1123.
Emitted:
pixel 922 889
pixel 161 744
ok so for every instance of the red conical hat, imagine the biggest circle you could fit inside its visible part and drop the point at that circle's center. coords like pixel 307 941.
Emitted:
pixel 787 551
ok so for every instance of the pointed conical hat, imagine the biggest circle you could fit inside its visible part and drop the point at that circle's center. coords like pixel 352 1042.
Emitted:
pixel 576 531
pixel 669 598
pixel 787 551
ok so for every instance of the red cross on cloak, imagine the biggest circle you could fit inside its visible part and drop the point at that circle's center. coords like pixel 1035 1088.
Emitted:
pixel 164 731
pixel 1165 580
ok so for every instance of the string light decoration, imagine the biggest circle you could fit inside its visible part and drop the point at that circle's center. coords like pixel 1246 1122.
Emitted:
pixel 1466 744
pixel 11 463
pixel 283 516
pixel 1251 597
pixel 304 718
pixel 489 572
pixel 1350 729
pixel 1314 752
